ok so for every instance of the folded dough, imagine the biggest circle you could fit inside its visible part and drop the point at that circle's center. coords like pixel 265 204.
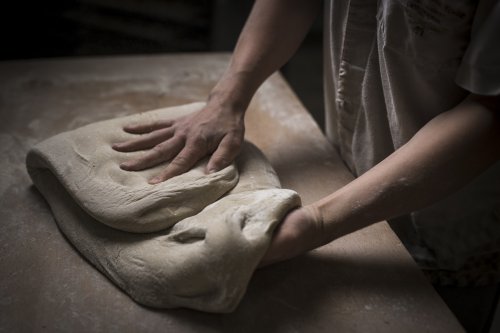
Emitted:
pixel 88 167
pixel 210 234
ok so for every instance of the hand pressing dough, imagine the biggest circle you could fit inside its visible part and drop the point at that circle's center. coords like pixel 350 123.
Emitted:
pixel 204 261
pixel 88 167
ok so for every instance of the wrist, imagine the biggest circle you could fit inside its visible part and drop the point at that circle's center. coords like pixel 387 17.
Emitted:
pixel 343 212
pixel 334 216
pixel 233 91
pixel 297 234
pixel 316 225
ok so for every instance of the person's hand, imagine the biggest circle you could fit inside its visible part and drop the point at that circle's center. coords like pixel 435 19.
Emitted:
pixel 300 231
pixel 214 130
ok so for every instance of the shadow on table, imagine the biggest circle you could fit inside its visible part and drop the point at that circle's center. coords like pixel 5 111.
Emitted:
pixel 294 296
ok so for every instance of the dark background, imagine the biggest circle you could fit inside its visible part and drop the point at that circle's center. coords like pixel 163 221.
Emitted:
pixel 75 28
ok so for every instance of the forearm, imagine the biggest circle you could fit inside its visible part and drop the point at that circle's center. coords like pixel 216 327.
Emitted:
pixel 443 156
pixel 272 33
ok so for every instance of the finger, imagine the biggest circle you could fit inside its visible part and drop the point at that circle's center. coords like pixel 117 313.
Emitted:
pixel 146 141
pixel 225 154
pixel 147 128
pixel 160 153
pixel 183 162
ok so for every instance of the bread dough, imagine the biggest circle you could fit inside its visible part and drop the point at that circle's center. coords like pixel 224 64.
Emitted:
pixel 205 260
pixel 88 167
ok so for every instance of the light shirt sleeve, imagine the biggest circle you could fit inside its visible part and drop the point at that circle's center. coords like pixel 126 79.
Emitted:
pixel 479 71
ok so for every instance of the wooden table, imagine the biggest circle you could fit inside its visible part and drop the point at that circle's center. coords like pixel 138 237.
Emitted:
pixel 364 282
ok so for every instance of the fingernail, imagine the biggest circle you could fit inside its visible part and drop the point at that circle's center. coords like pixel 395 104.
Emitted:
pixel 212 170
pixel 124 165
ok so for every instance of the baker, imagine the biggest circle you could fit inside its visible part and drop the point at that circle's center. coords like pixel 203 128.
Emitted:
pixel 412 106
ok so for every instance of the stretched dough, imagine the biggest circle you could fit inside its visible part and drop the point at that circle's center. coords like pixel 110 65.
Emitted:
pixel 204 261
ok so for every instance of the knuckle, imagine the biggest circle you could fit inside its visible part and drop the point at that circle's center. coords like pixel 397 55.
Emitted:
pixel 158 149
pixel 222 161
pixel 237 136
pixel 155 153
pixel 198 143
pixel 180 161
pixel 163 131
pixel 233 144
pixel 181 134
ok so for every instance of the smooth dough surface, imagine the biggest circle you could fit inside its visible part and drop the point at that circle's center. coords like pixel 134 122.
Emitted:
pixel 201 255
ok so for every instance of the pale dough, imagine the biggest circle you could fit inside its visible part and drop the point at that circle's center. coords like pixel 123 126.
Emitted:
pixel 222 225
pixel 88 167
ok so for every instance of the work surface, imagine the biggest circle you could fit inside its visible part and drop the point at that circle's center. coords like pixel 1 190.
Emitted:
pixel 364 282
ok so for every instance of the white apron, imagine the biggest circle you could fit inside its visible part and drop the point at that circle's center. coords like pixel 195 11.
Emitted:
pixel 390 67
